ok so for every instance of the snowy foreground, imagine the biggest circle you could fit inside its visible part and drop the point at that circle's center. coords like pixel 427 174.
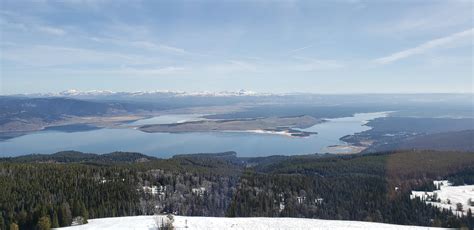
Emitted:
pixel 448 197
pixel 257 223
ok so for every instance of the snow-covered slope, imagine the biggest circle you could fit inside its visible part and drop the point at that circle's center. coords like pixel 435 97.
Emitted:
pixel 448 197
pixel 257 223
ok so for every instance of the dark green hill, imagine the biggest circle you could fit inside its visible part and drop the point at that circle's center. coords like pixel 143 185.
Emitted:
pixel 79 157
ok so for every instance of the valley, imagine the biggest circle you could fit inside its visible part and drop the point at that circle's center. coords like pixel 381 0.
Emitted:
pixel 237 114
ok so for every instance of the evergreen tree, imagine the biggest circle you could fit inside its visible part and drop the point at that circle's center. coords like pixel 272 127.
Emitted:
pixel 44 223
pixel 470 218
pixel 76 208
pixel 14 226
pixel 84 213
pixel 436 222
pixel 55 223
pixel 2 222
pixel 65 215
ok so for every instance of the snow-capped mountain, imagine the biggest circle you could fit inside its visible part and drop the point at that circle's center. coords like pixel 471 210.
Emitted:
pixel 73 92
pixel 101 93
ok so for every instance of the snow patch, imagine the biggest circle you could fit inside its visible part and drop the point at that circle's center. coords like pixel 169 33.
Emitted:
pixel 253 223
pixel 448 196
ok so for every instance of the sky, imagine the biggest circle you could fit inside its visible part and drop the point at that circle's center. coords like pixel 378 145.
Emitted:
pixel 317 46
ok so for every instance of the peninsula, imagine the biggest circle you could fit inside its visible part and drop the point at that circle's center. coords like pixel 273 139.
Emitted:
pixel 274 125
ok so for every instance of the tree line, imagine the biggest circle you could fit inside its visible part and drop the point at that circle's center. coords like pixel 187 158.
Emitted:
pixel 44 194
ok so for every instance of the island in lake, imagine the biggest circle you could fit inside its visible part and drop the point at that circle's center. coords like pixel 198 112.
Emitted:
pixel 273 125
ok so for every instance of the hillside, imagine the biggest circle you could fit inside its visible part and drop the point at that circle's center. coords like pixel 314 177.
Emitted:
pixel 79 157
pixel 374 188
pixel 457 141
pixel 23 114
pixel 399 133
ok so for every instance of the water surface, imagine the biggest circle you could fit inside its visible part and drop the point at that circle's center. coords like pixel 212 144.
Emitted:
pixel 168 144
pixel 168 119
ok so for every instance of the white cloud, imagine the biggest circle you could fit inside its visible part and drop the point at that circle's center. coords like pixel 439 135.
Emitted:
pixel 51 30
pixel 27 23
pixel 427 17
pixel 125 71
pixel 311 64
pixel 169 70
pixel 117 72
pixel 48 56
pixel 161 47
pixel 231 66
pixel 435 43
pixel 30 26
pixel 301 48
pixel 172 49
pixel 244 65
pixel 300 64
pixel 144 44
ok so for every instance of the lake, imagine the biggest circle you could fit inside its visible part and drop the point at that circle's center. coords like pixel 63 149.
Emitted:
pixel 168 144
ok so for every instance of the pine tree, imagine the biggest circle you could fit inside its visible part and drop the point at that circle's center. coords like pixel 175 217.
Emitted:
pixel 84 213
pixel 55 223
pixel 14 226
pixel 65 215
pixel 436 222
pixel 470 218
pixel 2 222
pixel 44 223
pixel 76 208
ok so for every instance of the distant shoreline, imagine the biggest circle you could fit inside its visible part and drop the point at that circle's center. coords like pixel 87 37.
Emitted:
pixel 345 149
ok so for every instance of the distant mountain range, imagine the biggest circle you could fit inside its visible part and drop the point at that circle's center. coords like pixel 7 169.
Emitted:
pixel 96 93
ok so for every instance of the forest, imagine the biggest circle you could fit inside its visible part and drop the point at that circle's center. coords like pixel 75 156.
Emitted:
pixel 45 191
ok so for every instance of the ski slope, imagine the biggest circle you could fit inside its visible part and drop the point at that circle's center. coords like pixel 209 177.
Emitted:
pixel 253 223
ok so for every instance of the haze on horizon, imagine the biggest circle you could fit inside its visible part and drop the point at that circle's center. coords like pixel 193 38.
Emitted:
pixel 264 46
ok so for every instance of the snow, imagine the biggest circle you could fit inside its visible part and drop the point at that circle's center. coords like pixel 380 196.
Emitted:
pixel 455 194
pixel 74 92
pixel 78 93
pixel 150 190
pixel 198 191
pixel 261 131
pixel 254 223
pixel 439 183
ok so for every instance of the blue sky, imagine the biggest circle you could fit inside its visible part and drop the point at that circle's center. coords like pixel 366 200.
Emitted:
pixel 265 46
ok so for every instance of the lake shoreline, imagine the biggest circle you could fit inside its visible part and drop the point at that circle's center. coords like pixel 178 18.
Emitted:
pixel 260 141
